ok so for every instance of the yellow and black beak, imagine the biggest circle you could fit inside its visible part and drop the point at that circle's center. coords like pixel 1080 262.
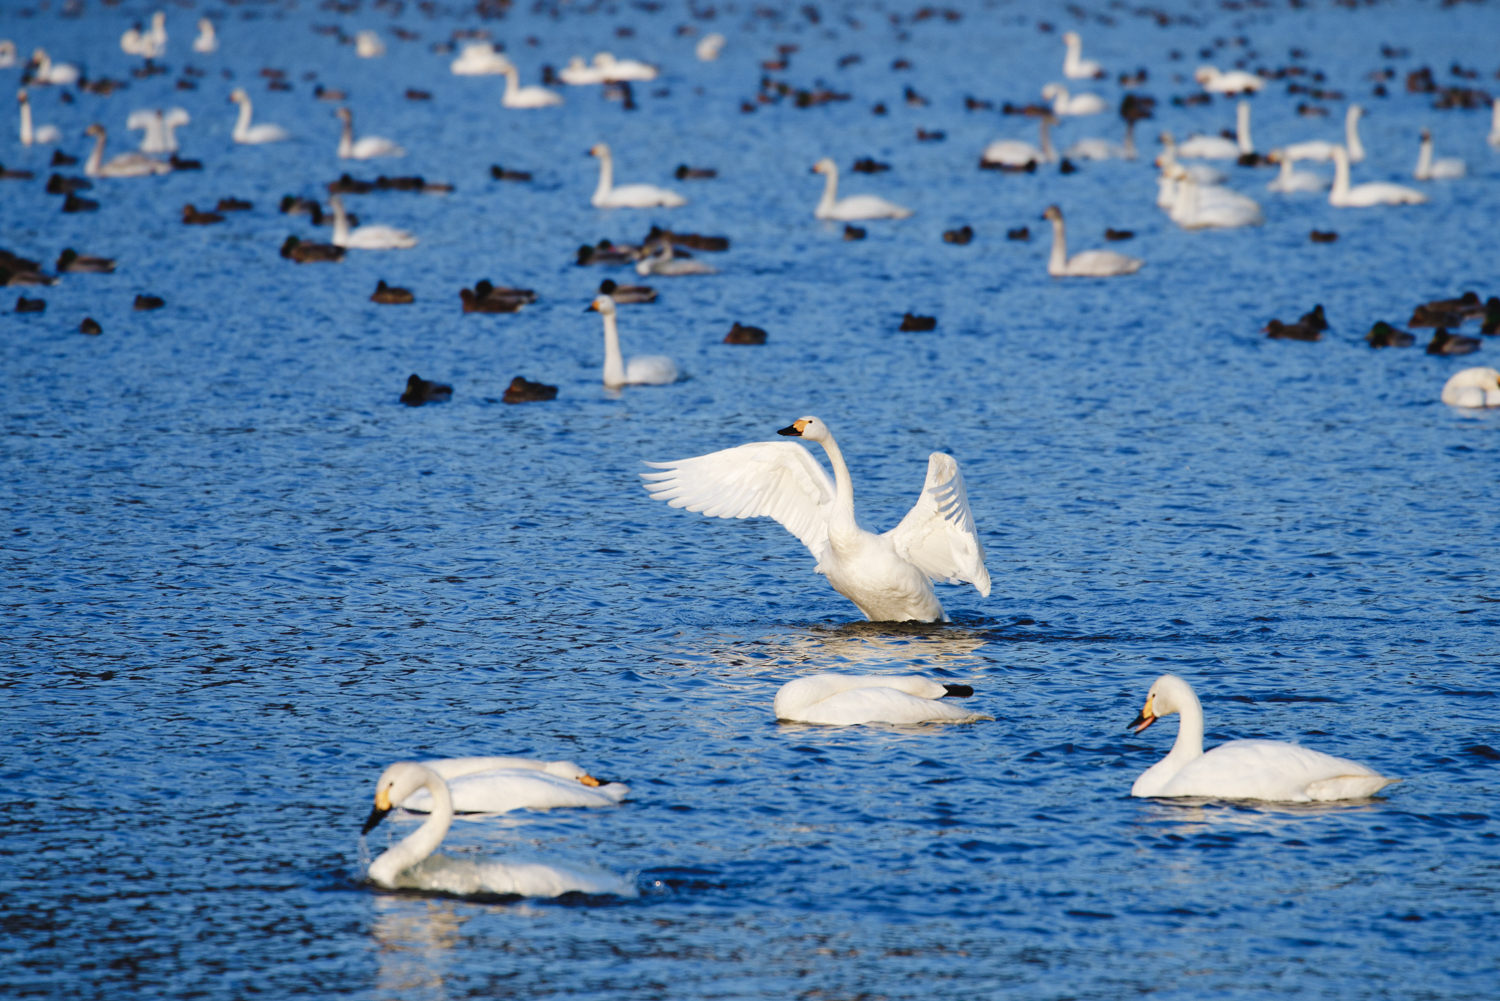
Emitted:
pixel 1143 719
pixel 590 308
pixel 590 781
pixel 378 812
pixel 795 431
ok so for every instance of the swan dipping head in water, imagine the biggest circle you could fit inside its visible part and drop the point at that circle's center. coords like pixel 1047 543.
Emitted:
pixel 852 699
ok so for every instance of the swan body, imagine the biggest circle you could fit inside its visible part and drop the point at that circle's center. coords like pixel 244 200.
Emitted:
pixel 252 135
pixel 888 576
pixel 1203 147
pixel 709 47
pixel 124 165
pixel 1429 169
pixel 1202 172
pixel 1321 149
pixel 642 370
pixel 1075 67
pixel 479 59
pixel 1211 79
pixel 1224 210
pixel 7 53
pixel 45 71
pixel 43 135
pixel 1366 195
pixel 1242 769
pixel 1090 263
pixel 411 864
pixel 1473 387
pixel 854 207
pixel 1097 149
pixel 614 70
pixel 1015 154
pixel 367 45
pixel 517 96
pixel 151 43
pixel 160 128
pixel 499 785
pixel 580 74
pixel 366 237
pixel 1075 104
pixel 627 196
pixel 1289 180
pixel 366 147
pixel 664 262
pixel 852 699
pixel 207 41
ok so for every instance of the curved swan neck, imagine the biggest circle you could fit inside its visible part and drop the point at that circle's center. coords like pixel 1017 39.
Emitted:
pixel 96 158
pixel 1242 127
pixel 1351 134
pixel 843 484
pixel 1058 262
pixel 830 189
pixel 1189 742
pixel 1340 176
pixel 1424 159
pixel 512 81
pixel 346 136
pixel 422 842
pixel 614 361
pixel 1048 153
pixel 242 125
pixel 26 133
pixel 340 221
pixel 606 180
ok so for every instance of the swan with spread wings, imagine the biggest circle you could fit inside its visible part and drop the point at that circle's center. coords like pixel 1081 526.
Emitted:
pixel 888 576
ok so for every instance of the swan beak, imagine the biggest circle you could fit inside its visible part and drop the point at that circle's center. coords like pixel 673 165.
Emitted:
pixel 795 431
pixel 377 814
pixel 590 308
pixel 590 781
pixel 1143 719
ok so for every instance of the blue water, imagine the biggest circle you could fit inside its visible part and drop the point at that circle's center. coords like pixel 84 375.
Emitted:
pixel 240 578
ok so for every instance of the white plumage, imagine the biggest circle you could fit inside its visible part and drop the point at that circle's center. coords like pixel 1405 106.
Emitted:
pixel 1075 67
pixel 1232 82
pixel 642 370
pixel 366 147
pixel 1429 169
pixel 1366 195
pixel 1064 103
pixel 627 196
pixel 1473 387
pixel 855 207
pixel 252 135
pixel 852 699
pixel 366 237
pixel 1090 263
pixel 516 96
pixel 499 785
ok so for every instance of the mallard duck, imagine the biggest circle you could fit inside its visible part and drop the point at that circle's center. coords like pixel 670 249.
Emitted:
pixel 72 262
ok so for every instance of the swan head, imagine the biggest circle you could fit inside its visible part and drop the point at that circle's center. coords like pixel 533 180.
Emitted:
pixel 1427 135
pixel 1071 39
pixel 1169 694
pixel 344 114
pixel 602 304
pixel 96 130
pixel 1053 214
pixel 825 166
pixel 1054 90
pixel 599 150
pixel 1204 74
pixel 238 96
pixel 22 97
pixel 806 427
pixel 395 784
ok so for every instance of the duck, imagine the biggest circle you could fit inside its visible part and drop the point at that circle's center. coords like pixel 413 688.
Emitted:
pixel 1017 155
pixel 1445 343
pixel 479 59
pixel 663 261
pixel 1075 67
pixel 253 135
pixel 1473 387
pixel 306 252
pixel 709 47
pixel 124 165
pixel 207 41
pixel 25 305
pixel 1220 209
pixel 1201 147
pixel 1448 312
pixel 642 370
pixel 159 128
pixel 151 43
pixel 485 297
pixel 855 207
pixel 7 174
pixel 1278 331
pixel 72 203
pixel 1267 770
pixel 913 323
pixel 1429 169
pixel 1383 335
pixel 366 237
pixel 500 173
pixel 1289 180
pixel 1366 195
pixel 623 70
pixel 1090 263
pixel 516 96
pixel 523 390
pixel 1064 103
pixel 420 391
pixel 960 237
pixel 693 241
pixel 366 147
pixel 412 864
pixel 1215 81
pixel 1321 149
pixel 71 261
pixel 888 577
pixel 367 45
pixel 608 254
pixel 44 135
pixel 686 173
pixel 625 295
pixel 855 699
pixel 90 326
pixel 191 216
pixel 145 303
pixel 44 71
pixel 627 196
pixel 232 204
pixel 391 295
pixel 742 334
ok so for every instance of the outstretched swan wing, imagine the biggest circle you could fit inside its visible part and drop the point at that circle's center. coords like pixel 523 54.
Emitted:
pixel 937 535
pixel 772 479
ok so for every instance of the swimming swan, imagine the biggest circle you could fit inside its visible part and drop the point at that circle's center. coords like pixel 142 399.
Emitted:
pixel 1473 387
pixel 151 43
pixel 366 237
pixel 367 45
pixel 45 71
pixel 42 135
pixel 663 261
pixel 1203 147
pixel 479 59
pixel 206 41
pixel 1075 67
pixel 889 576
pixel 1429 169
pixel 252 135
pixel 1090 263
pixel 851 699
pixel 580 74
pixel 1202 172
pixel 614 70
pixel 1211 79
pixel 855 207
pixel 411 864
pixel 366 147
pixel 1494 136
pixel 1075 104
pixel 1289 180
pixel 1016 154
pixel 1366 195
pixel 1321 149
pixel 642 370
pixel 517 96
pixel 1199 207
pixel 160 129
pixel 124 165
pixel 627 196
pixel 499 785
pixel 1241 769
pixel 709 47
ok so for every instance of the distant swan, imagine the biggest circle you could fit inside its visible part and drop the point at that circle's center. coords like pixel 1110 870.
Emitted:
pixel 1016 154
pixel 1064 103
pixel 1225 209
pixel 42 135
pixel 664 262
pixel 124 165
pixel 616 70
pixel 411 864
pixel 580 74
pixel 1473 387
pixel 855 207
pixel 1321 149
pixel 7 53
pixel 45 71
pixel 479 59
pixel 252 135
pixel 889 576
pixel 207 41
pixel 627 196
pixel 367 45
pixel 151 43
pixel 1290 180
pixel 1211 79
pixel 499 785
pixel 642 370
pixel 1366 195
pixel 1203 147
pixel 851 699
pixel 160 129
pixel 1242 769
pixel 709 47
pixel 366 147
pixel 517 96
pixel 366 237
pixel 1075 67
pixel 1429 169
pixel 1090 263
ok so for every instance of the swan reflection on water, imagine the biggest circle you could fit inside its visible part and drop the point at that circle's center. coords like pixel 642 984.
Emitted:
pixel 413 942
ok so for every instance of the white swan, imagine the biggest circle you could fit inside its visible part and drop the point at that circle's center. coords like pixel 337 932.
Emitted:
pixel 855 207
pixel 627 196
pixel 1203 147
pixel 851 699
pixel 1201 172
pixel 1290 180
pixel 252 135
pixel 1211 79
pixel 1241 769
pixel 366 147
pixel 366 237
pixel 1473 387
pixel 664 262
pixel 499 785
pixel 45 71
pixel 517 96
pixel 614 70
pixel 1365 195
pixel 709 47
pixel 151 43
pixel 1090 263
pixel 1016 154
pixel 7 53
pixel 124 165
pixel 367 45
pixel 642 370
pixel 411 864
pixel 1429 169
pixel 42 135
pixel 207 41
pixel 1075 67
pixel 1494 136
pixel 479 59
pixel 160 129
pixel 580 74
pixel 889 576
pixel 1064 103
pixel 1322 149
pixel 1199 207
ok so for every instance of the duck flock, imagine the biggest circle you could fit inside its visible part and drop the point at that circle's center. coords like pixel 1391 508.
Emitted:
pixel 1204 182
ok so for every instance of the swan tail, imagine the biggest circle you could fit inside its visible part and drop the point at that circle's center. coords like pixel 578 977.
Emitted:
pixel 1347 787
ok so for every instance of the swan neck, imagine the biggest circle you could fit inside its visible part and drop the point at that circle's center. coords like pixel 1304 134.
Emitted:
pixel 26 133
pixel 843 484
pixel 1189 742
pixel 830 191
pixel 1242 127
pixel 1130 152
pixel 1340 178
pixel 422 842
pixel 346 137
pixel 1048 153
pixel 1424 160
pixel 614 361
pixel 242 125
pixel 1351 136
pixel 1058 262
pixel 606 185
pixel 96 157
pixel 512 82
pixel 340 222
